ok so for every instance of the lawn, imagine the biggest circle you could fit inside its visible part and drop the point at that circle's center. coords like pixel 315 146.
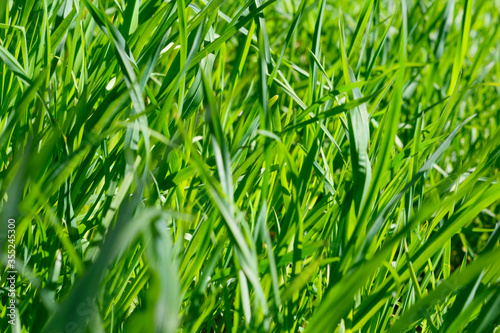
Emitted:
pixel 261 166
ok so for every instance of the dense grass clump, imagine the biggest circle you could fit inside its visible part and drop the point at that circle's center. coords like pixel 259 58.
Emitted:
pixel 261 166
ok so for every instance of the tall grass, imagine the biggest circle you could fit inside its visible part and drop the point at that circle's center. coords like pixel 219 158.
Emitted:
pixel 227 166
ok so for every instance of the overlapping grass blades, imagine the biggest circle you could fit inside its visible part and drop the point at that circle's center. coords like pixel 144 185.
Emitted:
pixel 257 166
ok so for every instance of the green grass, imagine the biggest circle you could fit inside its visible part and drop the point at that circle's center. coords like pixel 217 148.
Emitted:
pixel 268 166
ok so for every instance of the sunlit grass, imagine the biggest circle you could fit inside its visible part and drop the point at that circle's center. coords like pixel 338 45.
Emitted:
pixel 222 166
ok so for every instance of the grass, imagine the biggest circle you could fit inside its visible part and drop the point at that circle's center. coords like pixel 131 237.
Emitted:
pixel 228 166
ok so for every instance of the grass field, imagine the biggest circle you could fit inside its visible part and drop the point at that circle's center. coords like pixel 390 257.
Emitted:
pixel 261 166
